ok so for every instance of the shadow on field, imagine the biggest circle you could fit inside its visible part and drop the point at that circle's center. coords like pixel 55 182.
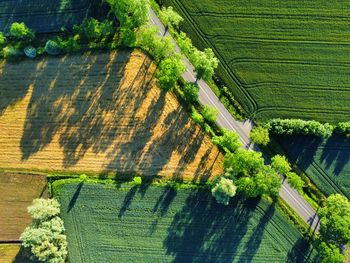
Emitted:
pixel 199 233
pixel 56 13
pixel 75 197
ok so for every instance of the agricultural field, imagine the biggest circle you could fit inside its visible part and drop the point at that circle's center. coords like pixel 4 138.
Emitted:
pixel 105 223
pixel 281 58
pixel 56 13
pixel 17 193
pixel 326 162
pixel 98 113
pixel 12 253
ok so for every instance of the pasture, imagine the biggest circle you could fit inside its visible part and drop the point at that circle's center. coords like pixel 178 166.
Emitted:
pixel 17 193
pixel 281 58
pixel 108 223
pixel 48 16
pixel 326 162
pixel 98 113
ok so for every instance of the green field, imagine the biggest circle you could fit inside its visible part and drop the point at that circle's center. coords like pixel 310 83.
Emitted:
pixel 281 58
pixel 106 223
pixel 327 162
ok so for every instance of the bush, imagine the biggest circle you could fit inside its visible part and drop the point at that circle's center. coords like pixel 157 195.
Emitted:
pixel 92 29
pixel 260 135
pixel 197 117
pixel 53 48
pixel 2 39
pixel 10 52
pixel 30 52
pixel 223 190
pixel 190 91
pixel 69 45
pixel 297 126
pixel 21 31
pixel 45 236
pixel 210 113
pixel 229 141
pixel 137 180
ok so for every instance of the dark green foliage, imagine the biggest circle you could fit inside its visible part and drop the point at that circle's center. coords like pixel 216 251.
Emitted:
pixel 297 126
pixel 69 45
pixel 2 39
pixel 158 224
pixel 190 92
pixel 30 51
pixel 92 29
pixel 53 48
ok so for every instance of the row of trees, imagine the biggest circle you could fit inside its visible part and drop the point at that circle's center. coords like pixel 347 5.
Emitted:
pixel 45 236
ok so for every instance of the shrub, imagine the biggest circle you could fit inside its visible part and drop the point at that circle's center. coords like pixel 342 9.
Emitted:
pixel 53 48
pixel 30 51
pixel 229 141
pixel 45 236
pixel 9 52
pixel 91 29
pixel 223 190
pixel 137 180
pixel 190 91
pixel 197 117
pixel 69 45
pixel 210 113
pixel 2 39
pixel 260 135
pixel 21 31
pixel 297 126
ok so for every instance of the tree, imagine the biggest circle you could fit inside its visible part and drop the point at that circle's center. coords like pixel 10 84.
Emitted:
pixel 169 72
pixel 91 29
pixel 260 135
pixel 295 181
pixel 52 48
pixel 335 220
pixel 280 164
pixel 170 18
pixel 205 63
pixel 190 91
pixel 2 39
pixel 131 14
pixel 210 113
pixel 45 236
pixel 21 31
pixel 185 44
pixel 223 190
pixel 330 253
pixel 229 140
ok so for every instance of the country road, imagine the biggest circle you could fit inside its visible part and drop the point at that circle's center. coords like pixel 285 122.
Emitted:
pixel 225 120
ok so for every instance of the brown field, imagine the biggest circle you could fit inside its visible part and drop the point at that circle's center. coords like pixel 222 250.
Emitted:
pixel 98 113
pixel 12 253
pixel 17 192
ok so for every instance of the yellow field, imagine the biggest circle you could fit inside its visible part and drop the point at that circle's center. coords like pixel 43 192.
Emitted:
pixel 98 113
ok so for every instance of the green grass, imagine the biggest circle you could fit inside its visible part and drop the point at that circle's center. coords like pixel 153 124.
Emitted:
pixel 287 59
pixel 327 162
pixel 126 223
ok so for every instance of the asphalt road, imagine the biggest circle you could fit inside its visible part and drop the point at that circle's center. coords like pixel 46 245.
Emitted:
pixel 225 120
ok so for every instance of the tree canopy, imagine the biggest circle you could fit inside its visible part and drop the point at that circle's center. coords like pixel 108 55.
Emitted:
pixel 169 71
pixel 205 63
pixel 260 135
pixel 229 140
pixel 280 164
pixel 170 17
pixel 223 190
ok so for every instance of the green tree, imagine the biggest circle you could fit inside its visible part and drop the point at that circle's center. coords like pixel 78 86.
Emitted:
pixel 91 29
pixel 131 14
pixel 280 164
pixel 205 63
pixel 45 236
pixel 197 117
pixel 330 253
pixel 229 140
pixel 295 181
pixel 170 17
pixel 223 190
pixel 21 31
pixel 169 71
pixel 190 92
pixel 210 113
pixel 2 39
pixel 185 43
pixel 260 135
pixel 335 219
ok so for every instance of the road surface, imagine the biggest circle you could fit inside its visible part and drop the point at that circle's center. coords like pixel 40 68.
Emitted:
pixel 225 120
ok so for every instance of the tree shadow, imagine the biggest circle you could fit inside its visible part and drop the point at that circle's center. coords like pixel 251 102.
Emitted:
pixel 127 201
pixel 75 196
